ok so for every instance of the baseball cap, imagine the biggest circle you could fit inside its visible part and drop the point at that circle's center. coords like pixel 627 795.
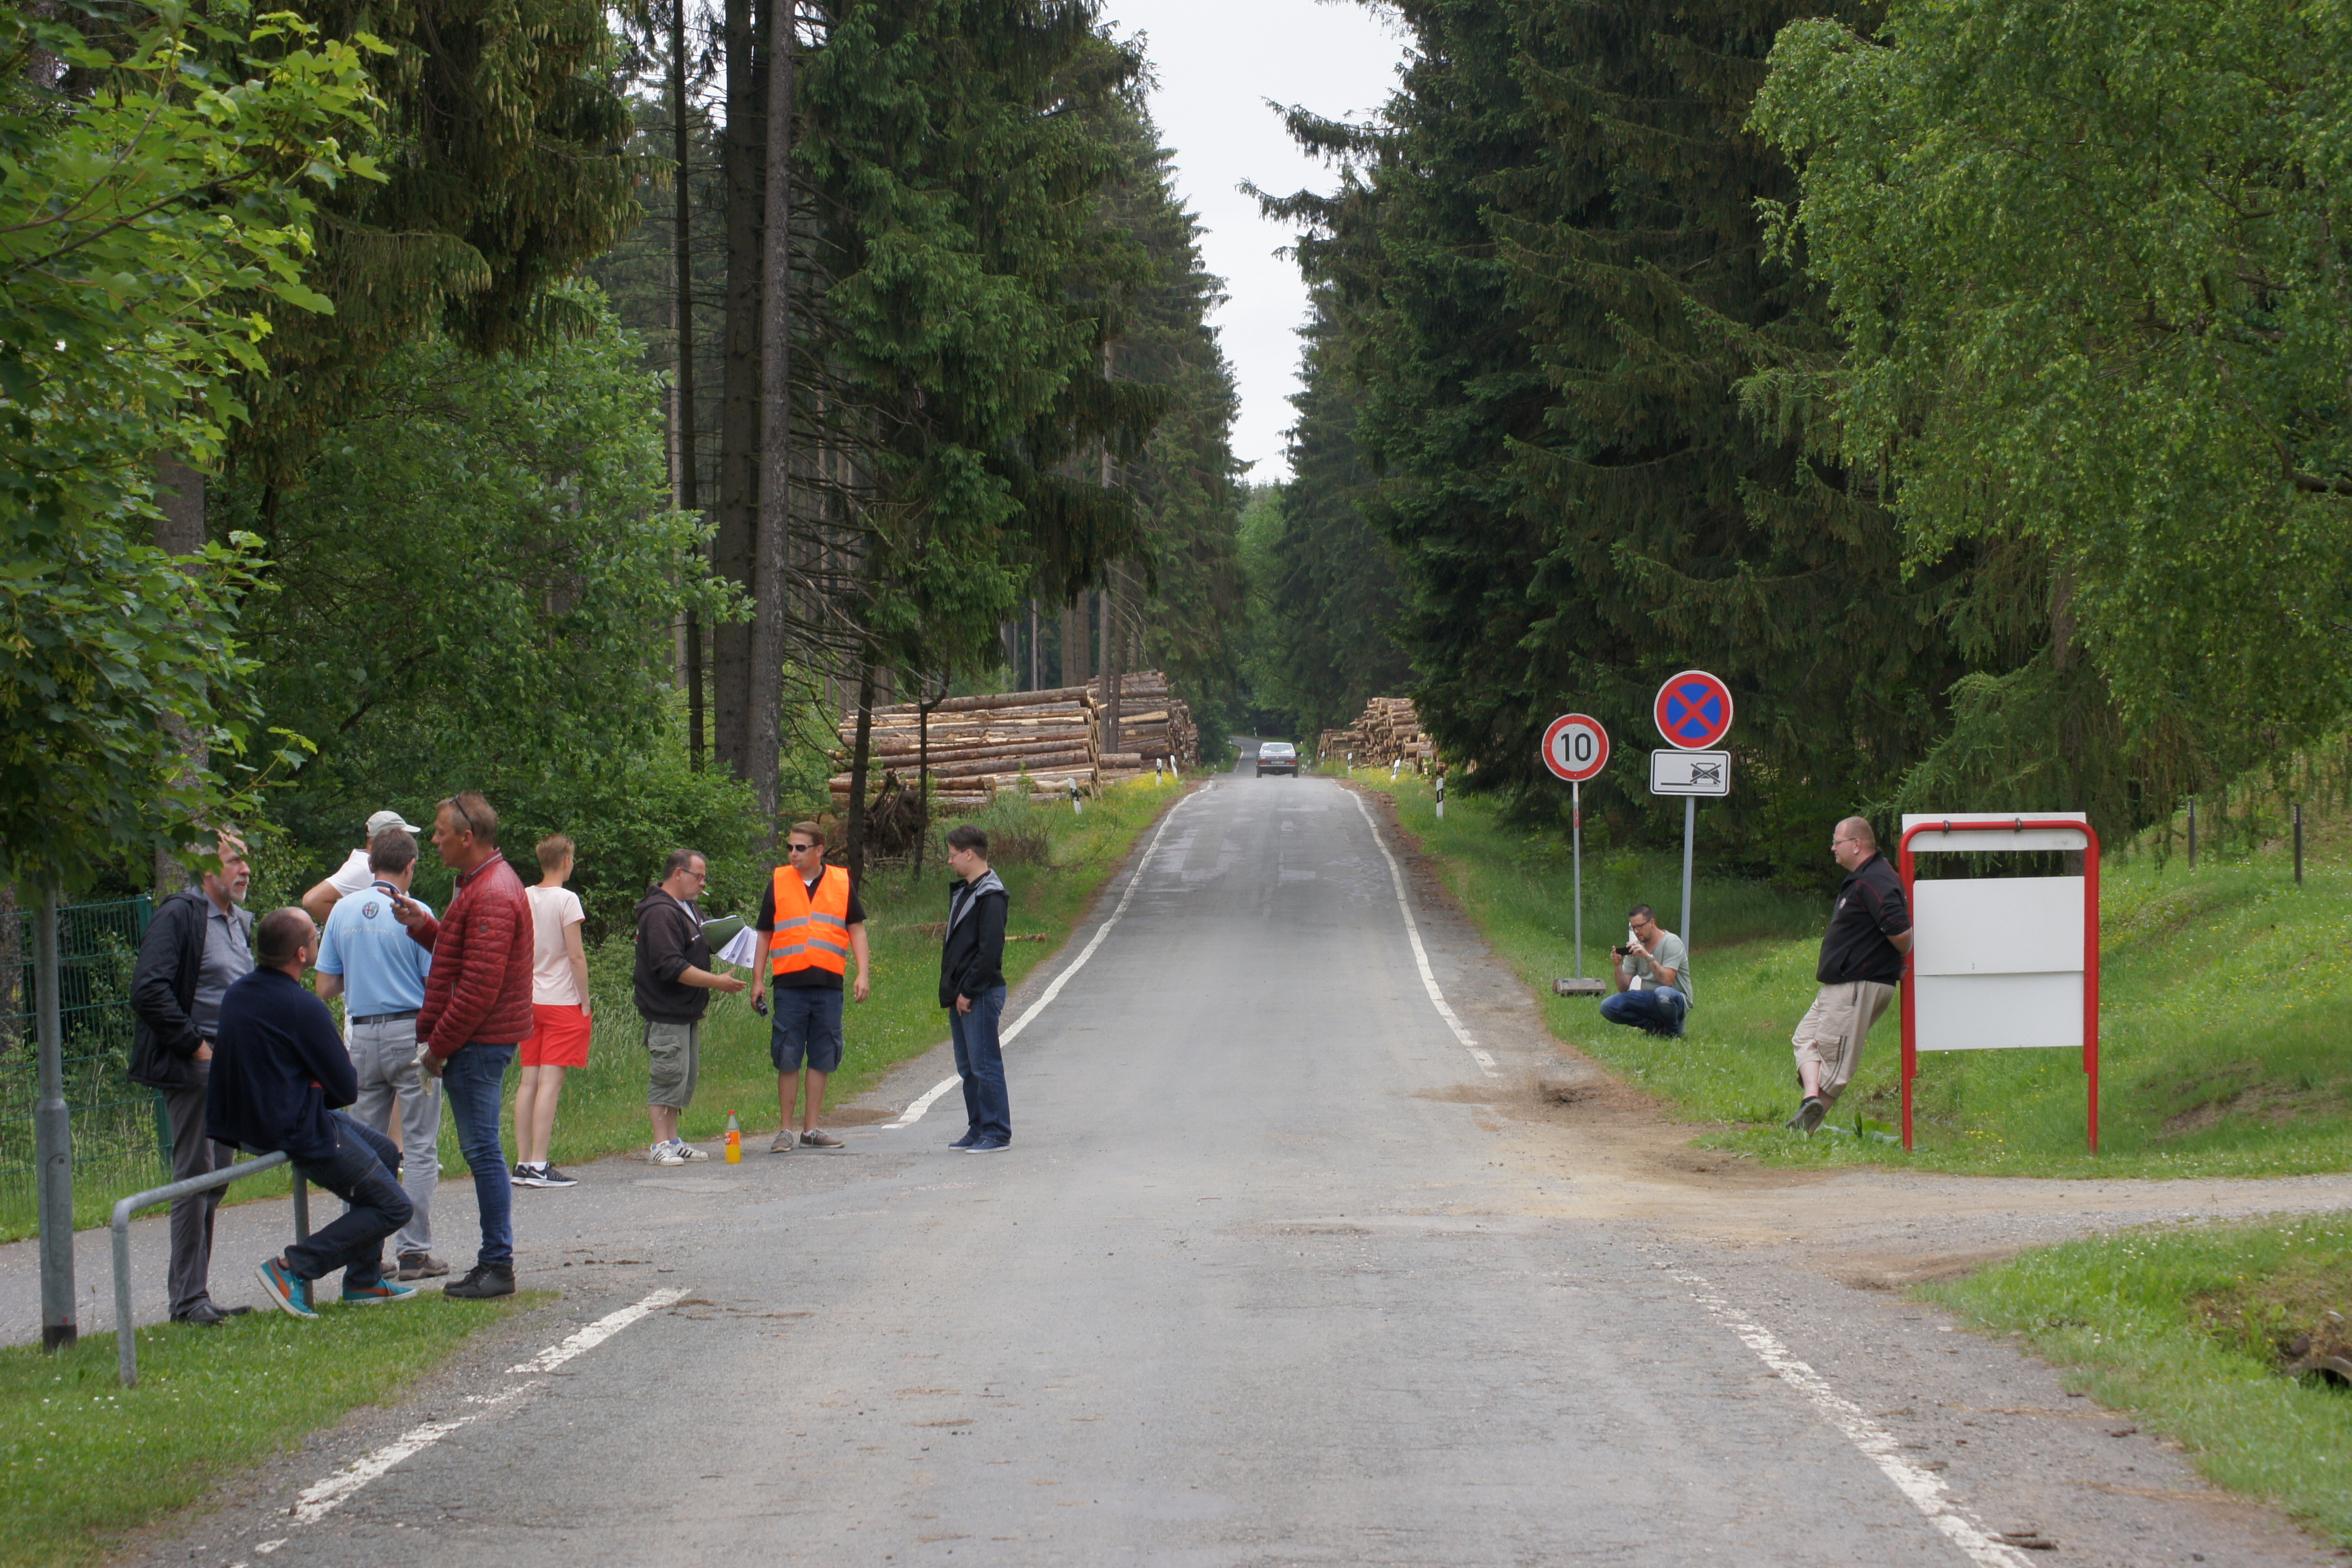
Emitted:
pixel 383 821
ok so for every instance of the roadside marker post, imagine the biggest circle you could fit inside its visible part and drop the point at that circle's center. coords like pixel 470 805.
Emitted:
pixel 1576 748
pixel 2002 962
pixel 1693 711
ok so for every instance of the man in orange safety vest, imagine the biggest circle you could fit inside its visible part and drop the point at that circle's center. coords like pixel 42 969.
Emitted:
pixel 811 925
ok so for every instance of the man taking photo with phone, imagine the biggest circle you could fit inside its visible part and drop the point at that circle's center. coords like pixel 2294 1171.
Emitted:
pixel 1652 972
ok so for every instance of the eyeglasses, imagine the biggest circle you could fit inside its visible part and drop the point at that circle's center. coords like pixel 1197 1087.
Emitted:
pixel 801 849
pixel 454 810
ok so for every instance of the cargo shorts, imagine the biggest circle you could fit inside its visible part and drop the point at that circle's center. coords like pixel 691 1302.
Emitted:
pixel 676 1053
pixel 1831 1034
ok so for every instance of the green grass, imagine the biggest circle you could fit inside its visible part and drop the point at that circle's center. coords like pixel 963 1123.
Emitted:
pixel 83 1460
pixel 2226 995
pixel 2181 1328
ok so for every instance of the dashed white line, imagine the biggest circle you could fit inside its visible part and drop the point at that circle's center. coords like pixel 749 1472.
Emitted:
pixel 1420 954
pixel 323 1496
pixel 1923 1488
pixel 930 1097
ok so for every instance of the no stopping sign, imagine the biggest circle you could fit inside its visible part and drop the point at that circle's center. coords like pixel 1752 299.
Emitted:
pixel 1575 748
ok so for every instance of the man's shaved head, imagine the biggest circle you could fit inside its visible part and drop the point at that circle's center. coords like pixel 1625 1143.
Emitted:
pixel 1858 829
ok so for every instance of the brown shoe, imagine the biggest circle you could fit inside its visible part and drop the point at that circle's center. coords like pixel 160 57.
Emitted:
pixel 420 1266
pixel 783 1144
pixel 818 1139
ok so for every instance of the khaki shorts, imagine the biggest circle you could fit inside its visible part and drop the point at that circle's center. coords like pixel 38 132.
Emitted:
pixel 1831 1034
pixel 677 1053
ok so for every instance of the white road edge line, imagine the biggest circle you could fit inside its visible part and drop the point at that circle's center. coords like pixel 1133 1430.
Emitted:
pixel 1923 1488
pixel 1420 954
pixel 930 1097
pixel 323 1496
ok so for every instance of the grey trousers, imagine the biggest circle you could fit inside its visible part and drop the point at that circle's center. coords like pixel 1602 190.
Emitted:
pixel 193 1154
pixel 384 1055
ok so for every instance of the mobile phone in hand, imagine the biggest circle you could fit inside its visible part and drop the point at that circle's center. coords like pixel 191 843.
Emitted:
pixel 759 1004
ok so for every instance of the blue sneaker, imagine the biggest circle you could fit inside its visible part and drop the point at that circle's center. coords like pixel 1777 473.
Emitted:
pixel 988 1146
pixel 387 1291
pixel 286 1293
pixel 967 1141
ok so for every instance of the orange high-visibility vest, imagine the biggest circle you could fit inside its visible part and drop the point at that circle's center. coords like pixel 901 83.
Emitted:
pixel 811 934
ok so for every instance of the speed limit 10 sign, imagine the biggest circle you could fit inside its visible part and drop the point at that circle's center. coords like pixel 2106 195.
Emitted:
pixel 1575 748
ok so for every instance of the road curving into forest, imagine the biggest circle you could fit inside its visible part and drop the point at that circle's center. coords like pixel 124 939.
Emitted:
pixel 1277 1270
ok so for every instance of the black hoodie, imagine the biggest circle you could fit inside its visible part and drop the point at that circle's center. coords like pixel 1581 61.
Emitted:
pixel 669 942
pixel 971 959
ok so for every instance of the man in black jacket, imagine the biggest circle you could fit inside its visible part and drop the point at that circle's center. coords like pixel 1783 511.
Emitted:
pixel 1862 963
pixel 674 982
pixel 199 942
pixel 971 987
pixel 279 1080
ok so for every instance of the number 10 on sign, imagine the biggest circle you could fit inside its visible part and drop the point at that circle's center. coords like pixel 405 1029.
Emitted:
pixel 1575 748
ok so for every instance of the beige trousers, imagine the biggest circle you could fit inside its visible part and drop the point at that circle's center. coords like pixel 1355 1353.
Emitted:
pixel 1831 1034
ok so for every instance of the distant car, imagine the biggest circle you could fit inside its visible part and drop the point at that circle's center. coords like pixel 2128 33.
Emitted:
pixel 1277 757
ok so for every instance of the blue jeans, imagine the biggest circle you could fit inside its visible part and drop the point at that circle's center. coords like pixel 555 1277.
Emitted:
pixel 365 1172
pixel 1656 1012
pixel 807 1030
pixel 979 1062
pixel 475 1080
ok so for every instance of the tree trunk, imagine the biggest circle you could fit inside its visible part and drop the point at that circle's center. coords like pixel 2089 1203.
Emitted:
pixel 1078 641
pixel 772 582
pixel 1113 647
pixel 180 530
pixel 739 406
pixel 1036 647
pixel 688 484
pixel 861 754
pixel 923 772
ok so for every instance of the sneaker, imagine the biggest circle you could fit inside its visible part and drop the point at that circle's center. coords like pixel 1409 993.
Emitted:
pixel 783 1144
pixel 420 1266
pixel 531 1175
pixel 669 1152
pixel 818 1139
pixel 482 1281
pixel 988 1146
pixel 686 1150
pixel 375 1295
pixel 967 1141
pixel 1808 1114
pixel 549 1177
pixel 286 1293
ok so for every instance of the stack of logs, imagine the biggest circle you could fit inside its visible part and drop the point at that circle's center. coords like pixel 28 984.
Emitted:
pixel 1387 730
pixel 983 743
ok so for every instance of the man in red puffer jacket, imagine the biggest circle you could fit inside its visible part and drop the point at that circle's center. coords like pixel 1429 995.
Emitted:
pixel 476 1011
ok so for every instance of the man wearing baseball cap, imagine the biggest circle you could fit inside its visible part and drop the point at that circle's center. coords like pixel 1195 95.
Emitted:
pixel 353 876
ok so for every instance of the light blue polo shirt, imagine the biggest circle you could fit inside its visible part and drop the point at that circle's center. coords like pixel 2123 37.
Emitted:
pixel 382 969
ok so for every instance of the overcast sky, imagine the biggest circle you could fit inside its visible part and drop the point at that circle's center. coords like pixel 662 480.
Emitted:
pixel 1218 62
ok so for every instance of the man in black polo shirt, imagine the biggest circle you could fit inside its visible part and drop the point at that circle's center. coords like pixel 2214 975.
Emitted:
pixel 1862 963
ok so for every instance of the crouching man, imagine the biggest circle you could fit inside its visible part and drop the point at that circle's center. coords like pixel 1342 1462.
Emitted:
pixel 280 1077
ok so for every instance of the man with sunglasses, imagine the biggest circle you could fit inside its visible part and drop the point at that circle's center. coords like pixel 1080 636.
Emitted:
pixel 811 924
pixel 673 984
pixel 477 1012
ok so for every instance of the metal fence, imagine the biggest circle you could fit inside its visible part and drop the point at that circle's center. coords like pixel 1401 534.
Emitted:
pixel 119 1133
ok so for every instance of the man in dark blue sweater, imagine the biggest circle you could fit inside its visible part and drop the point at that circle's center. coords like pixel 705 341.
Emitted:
pixel 279 1077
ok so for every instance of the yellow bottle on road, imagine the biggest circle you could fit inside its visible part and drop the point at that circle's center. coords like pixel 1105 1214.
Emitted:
pixel 734 1140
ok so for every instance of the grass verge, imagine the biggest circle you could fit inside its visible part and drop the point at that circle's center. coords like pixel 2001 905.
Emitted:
pixel 85 1461
pixel 2226 994
pixel 2186 1330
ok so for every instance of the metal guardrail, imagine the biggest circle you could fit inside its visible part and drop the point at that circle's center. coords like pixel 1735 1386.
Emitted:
pixel 126 1334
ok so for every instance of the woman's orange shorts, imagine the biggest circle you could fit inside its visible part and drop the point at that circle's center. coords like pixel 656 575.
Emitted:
pixel 558 1037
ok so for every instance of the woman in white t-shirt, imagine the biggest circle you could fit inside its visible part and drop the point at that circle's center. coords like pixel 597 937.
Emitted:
pixel 559 1007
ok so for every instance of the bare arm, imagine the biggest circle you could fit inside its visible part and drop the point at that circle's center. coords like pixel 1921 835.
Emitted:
pixel 320 899
pixel 578 954
pixel 1901 940
pixel 329 987
pixel 857 951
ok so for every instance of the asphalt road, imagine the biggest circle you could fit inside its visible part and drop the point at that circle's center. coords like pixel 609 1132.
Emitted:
pixel 1265 1278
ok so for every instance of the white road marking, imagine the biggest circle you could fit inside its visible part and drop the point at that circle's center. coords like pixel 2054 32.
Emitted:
pixel 930 1097
pixel 1923 1488
pixel 323 1496
pixel 1420 954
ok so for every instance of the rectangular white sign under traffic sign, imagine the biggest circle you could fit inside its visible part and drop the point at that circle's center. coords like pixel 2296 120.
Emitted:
pixel 1690 773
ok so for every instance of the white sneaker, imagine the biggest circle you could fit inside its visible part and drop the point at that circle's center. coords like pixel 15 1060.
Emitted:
pixel 686 1150
pixel 667 1153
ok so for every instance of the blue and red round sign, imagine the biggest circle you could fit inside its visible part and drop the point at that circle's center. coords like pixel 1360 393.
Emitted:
pixel 1693 710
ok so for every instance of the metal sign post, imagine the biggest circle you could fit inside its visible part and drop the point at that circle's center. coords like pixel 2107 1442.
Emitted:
pixel 53 1139
pixel 1576 748
pixel 1693 711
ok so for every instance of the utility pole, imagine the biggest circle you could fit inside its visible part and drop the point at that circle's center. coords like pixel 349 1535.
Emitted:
pixel 53 1141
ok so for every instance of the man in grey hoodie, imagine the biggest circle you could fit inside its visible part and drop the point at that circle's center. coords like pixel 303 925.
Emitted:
pixel 971 987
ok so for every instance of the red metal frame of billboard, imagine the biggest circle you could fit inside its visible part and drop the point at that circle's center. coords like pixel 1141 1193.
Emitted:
pixel 2090 954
